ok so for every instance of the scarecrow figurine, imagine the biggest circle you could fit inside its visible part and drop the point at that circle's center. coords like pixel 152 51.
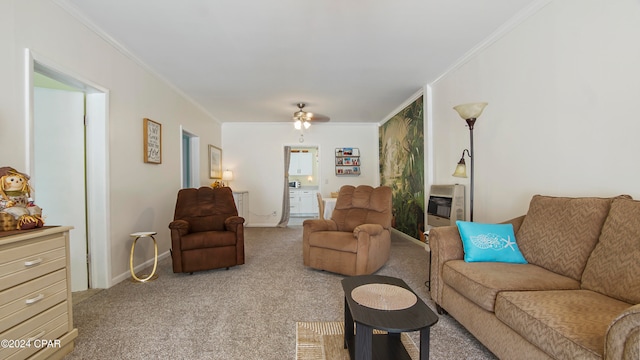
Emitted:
pixel 14 199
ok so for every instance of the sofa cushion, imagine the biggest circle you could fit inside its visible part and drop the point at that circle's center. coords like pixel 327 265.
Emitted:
pixel 566 324
pixel 614 264
pixel 489 242
pixel 559 233
pixel 480 282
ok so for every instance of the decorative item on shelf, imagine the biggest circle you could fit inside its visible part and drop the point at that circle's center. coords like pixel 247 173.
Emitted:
pixel 227 176
pixel 217 184
pixel 470 113
pixel 14 201
pixel 347 162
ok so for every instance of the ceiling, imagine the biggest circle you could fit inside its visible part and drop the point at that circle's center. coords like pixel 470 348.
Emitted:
pixel 253 60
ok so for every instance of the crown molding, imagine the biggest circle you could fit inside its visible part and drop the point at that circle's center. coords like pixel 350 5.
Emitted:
pixel 506 28
pixel 73 11
pixel 406 103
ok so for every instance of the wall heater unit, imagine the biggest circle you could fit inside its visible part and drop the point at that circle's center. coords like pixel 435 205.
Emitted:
pixel 446 205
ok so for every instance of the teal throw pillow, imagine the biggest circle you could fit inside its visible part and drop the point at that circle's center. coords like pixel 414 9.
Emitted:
pixel 489 243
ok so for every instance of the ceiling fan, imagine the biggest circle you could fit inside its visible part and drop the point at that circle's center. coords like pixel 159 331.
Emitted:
pixel 304 118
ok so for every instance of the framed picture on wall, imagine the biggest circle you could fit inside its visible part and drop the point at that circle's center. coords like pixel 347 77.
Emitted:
pixel 215 162
pixel 152 133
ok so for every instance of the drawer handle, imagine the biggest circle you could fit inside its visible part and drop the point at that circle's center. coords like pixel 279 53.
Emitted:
pixel 40 335
pixel 33 262
pixel 35 299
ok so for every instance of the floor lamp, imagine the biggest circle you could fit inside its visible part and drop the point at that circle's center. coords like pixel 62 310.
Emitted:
pixel 469 112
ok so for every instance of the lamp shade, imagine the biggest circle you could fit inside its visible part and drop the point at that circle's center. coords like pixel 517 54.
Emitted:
pixel 227 175
pixel 461 169
pixel 471 110
pixel 297 124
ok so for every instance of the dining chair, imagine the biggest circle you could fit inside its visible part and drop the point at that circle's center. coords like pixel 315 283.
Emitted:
pixel 320 206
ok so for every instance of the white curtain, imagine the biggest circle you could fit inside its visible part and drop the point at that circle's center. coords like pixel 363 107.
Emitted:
pixel 284 219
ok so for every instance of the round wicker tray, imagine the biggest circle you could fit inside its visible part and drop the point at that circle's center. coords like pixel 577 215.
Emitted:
pixel 384 297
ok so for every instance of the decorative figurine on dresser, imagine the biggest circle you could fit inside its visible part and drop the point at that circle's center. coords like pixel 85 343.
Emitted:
pixel 17 212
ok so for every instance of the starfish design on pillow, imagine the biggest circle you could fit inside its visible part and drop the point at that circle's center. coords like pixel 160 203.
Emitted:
pixel 492 241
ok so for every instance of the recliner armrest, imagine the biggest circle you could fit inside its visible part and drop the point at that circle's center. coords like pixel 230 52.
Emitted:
pixel 371 229
pixel 623 336
pixel 312 225
pixel 182 226
pixel 231 223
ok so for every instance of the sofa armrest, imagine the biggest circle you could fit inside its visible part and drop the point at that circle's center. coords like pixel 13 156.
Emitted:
pixel 445 244
pixel 623 336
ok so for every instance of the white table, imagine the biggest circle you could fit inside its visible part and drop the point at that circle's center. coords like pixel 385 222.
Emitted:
pixel 329 205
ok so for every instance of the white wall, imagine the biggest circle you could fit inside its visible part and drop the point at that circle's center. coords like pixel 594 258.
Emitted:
pixel 563 89
pixel 142 196
pixel 255 154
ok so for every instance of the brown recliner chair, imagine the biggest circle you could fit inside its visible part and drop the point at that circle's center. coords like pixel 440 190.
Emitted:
pixel 206 232
pixel 357 238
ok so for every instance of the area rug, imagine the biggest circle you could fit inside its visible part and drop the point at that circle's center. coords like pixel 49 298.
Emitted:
pixel 325 340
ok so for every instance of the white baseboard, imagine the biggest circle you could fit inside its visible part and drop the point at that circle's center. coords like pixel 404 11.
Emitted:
pixel 260 225
pixel 126 275
pixel 402 235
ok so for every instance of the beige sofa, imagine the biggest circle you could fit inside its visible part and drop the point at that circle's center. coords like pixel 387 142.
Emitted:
pixel 577 298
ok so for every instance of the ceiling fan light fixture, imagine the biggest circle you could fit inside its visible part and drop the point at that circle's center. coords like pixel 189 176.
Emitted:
pixel 304 118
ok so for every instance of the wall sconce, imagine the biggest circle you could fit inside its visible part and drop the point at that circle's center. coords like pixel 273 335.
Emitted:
pixel 227 176
pixel 470 113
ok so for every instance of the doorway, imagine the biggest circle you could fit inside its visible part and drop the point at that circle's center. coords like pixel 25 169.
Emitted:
pixel 303 173
pixel 190 158
pixel 78 165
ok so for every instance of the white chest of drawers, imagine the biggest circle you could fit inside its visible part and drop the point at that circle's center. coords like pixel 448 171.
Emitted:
pixel 36 317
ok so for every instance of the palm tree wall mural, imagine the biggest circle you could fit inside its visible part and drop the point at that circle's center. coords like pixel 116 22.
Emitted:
pixel 402 166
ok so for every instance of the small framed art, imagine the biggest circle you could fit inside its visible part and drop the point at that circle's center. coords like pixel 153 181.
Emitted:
pixel 215 162
pixel 152 141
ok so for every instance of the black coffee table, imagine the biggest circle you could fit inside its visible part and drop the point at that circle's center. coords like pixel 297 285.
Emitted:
pixel 366 345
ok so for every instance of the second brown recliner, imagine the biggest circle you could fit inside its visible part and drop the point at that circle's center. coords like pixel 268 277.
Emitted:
pixel 207 232
pixel 357 238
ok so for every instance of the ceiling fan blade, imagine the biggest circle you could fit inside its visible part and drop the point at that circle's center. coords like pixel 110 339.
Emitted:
pixel 319 118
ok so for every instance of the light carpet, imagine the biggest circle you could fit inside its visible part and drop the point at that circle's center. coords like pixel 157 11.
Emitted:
pixel 325 341
pixel 247 312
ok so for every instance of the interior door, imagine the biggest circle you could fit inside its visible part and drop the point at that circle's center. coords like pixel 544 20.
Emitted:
pixel 58 175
